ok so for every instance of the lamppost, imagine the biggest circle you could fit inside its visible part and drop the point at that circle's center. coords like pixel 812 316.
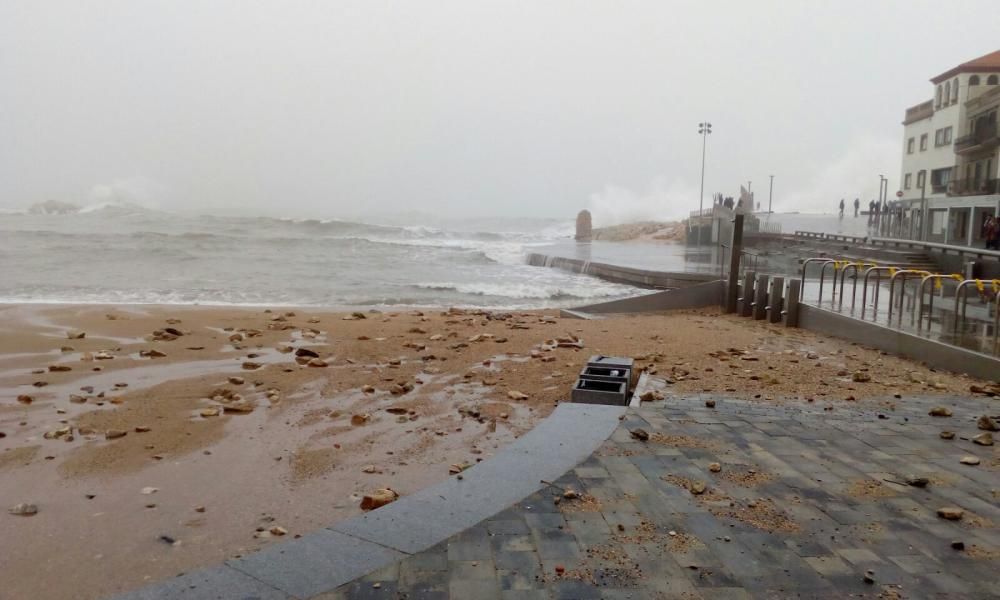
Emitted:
pixel 770 195
pixel 704 129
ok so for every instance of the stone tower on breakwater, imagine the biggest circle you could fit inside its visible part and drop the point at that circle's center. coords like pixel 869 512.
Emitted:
pixel 584 227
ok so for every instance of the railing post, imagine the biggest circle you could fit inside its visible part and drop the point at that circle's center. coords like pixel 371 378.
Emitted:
pixel 792 303
pixel 774 301
pixel 746 306
pixel 760 298
pixel 735 253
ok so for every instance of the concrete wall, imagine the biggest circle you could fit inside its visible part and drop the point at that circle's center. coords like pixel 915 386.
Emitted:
pixel 933 353
pixel 695 296
pixel 618 274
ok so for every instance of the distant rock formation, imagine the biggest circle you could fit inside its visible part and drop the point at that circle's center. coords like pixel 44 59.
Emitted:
pixel 53 207
pixel 584 227
pixel 648 231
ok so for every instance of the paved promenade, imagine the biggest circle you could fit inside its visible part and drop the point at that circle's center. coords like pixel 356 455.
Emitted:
pixel 801 502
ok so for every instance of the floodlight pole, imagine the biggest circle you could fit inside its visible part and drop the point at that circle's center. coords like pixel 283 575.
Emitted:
pixel 704 129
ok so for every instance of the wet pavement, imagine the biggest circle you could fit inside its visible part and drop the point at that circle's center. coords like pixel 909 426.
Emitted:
pixel 805 500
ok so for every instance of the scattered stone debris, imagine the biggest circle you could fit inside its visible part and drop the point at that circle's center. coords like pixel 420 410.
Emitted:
pixel 114 434
pixel 969 460
pixel 25 399
pixel 947 435
pixel 640 434
pixel 987 424
pixel 710 403
pixel 861 377
pixel 377 498
pixel 951 513
pixel 917 481
pixel 515 395
pixel 983 439
pixel 940 411
pixel 714 467
pixel 23 509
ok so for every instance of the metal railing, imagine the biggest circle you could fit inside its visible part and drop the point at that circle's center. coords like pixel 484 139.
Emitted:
pixel 989 293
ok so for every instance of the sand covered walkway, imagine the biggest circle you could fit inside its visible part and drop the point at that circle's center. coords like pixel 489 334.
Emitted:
pixel 155 440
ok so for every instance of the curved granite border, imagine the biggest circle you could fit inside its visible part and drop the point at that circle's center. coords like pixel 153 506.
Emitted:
pixel 326 559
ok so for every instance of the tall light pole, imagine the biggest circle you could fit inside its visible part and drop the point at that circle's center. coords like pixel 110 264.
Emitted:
pixel 770 195
pixel 704 129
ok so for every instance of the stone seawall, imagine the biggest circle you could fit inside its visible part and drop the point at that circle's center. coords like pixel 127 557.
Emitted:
pixel 658 280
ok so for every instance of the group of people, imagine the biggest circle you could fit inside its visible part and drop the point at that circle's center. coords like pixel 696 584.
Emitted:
pixel 727 202
pixel 991 232
pixel 874 208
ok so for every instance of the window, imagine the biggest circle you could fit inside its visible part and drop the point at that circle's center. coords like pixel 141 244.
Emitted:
pixel 942 137
pixel 923 142
pixel 906 181
pixel 992 80
pixel 954 90
pixel 940 179
pixel 909 146
pixel 947 92
pixel 974 80
pixel 921 179
pixel 937 101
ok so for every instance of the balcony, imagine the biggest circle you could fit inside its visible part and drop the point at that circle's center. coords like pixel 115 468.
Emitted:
pixel 983 138
pixel 973 187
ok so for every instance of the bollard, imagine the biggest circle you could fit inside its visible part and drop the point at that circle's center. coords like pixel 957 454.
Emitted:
pixel 760 298
pixel 791 311
pixel 746 304
pixel 774 302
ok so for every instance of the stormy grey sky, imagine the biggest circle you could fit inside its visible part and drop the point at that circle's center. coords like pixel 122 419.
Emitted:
pixel 467 108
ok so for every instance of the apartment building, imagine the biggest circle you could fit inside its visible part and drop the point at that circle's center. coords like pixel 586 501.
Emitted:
pixel 950 178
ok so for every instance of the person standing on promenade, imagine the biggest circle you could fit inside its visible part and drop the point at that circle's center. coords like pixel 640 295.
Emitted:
pixel 841 208
pixel 857 207
pixel 991 232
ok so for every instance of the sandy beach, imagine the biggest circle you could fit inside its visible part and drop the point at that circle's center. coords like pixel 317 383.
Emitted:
pixel 157 439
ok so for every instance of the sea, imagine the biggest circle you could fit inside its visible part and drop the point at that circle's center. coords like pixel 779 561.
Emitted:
pixel 120 253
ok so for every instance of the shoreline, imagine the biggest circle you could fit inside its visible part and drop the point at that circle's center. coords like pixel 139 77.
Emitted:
pixel 293 447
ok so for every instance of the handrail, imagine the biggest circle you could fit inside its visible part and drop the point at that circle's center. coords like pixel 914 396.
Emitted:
pixel 961 296
pixel 854 288
pixel 945 247
pixel 864 289
pixel 996 326
pixel 892 285
pixel 930 303
pixel 805 263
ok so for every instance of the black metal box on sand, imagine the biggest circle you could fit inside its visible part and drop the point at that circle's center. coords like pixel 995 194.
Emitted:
pixel 604 380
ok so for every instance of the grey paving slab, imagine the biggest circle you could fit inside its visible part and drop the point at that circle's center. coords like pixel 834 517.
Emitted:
pixel 565 439
pixel 315 563
pixel 222 583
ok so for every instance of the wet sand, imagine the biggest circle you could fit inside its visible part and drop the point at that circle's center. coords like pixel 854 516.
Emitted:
pixel 294 446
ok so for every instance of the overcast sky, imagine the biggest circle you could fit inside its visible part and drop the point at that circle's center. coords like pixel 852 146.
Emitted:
pixel 467 108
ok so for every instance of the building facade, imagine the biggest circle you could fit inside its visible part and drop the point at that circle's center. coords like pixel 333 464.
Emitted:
pixel 950 176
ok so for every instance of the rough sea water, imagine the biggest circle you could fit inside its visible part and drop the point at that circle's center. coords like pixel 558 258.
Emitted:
pixel 127 254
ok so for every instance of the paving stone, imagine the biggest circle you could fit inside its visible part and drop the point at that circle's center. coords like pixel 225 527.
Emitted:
pixel 315 563
pixel 813 456
pixel 219 583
